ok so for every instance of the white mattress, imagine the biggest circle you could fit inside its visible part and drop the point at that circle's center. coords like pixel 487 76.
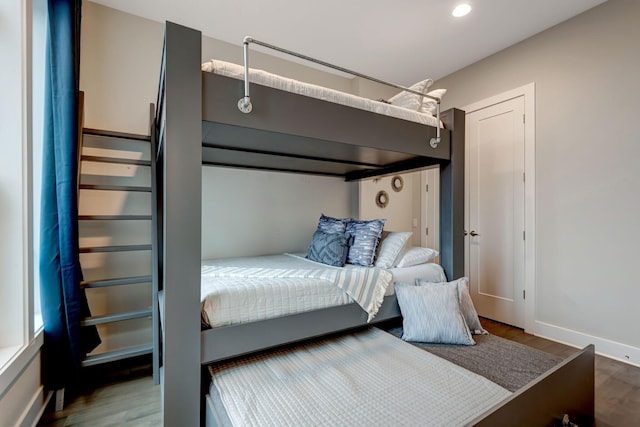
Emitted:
pixel 307 89
pixel 235 300
pixel 363 379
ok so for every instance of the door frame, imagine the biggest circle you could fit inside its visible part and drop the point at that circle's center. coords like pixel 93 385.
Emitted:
pixel 528 92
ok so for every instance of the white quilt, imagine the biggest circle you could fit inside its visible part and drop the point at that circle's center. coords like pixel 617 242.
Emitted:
pixel 363 379
pixel 234 300
pixel 366 286
pixel 307 89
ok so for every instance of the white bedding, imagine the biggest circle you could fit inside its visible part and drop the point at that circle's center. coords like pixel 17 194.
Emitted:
pixel 234 300
pixel 307 89
pixel 362 379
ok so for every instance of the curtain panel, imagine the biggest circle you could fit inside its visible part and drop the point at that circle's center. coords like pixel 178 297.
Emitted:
pixel 63 302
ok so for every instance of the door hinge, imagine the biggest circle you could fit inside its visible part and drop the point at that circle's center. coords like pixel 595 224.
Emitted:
pixel 524 177
pixel 523 119
pixel 426 188
pixel 426 231
pixel 524 237
pixel 524 294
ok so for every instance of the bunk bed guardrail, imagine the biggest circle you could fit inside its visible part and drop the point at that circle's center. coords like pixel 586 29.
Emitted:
pixel 245 105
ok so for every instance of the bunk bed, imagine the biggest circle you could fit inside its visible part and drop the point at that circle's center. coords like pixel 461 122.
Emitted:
pixel 203 118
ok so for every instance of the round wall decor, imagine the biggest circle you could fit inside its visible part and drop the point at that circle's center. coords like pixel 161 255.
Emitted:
pixel 382 199
pixel 397 183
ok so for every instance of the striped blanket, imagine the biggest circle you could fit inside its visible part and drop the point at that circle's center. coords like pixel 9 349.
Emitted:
pixel 366 286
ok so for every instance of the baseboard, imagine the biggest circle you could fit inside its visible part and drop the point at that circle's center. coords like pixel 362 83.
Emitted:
pixel 604 347
pixel 34 409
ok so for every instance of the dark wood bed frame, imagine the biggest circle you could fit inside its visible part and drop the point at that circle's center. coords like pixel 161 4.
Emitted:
pixel 198 123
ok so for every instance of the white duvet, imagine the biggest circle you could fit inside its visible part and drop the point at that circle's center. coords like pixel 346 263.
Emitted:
pixel 314 91
pixel 363 379
pixel 234 300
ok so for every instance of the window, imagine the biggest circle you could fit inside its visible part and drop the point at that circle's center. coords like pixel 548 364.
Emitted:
pixel 39 26
pixel 17 254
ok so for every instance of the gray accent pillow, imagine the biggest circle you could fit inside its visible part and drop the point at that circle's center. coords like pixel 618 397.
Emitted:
pixel 366 235
pixel 391 246
pixel 328 224
pixel 329 248
pixel 432 314
pixel 466 303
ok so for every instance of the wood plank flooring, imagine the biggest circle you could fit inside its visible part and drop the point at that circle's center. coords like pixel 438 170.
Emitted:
pixel 617 396
pixel 123 394
pixel 117 394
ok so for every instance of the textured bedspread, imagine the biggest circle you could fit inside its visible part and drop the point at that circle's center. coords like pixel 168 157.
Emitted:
pixel 366 286
pixel 362 379
pixel 283 83
pixel 507 363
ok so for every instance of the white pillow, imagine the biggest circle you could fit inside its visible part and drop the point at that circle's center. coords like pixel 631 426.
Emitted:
pixel 416 255
pixel 428 105
pixel 391 246
pixel 466 303
pixel 432 314
pixel 409 100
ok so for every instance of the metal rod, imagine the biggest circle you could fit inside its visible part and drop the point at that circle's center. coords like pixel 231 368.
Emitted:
pixel 246 70
pixel 248 40
pixel 244 104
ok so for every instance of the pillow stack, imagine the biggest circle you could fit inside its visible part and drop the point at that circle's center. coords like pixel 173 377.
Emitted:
pixel 337 241
pixel 356 241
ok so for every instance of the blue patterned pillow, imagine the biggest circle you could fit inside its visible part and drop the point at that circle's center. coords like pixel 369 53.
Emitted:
pixel 432 314
pixel 329 248
pixel 331 225
pixel 366 235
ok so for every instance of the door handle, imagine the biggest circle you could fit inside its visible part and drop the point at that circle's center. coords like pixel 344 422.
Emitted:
pixel 473 233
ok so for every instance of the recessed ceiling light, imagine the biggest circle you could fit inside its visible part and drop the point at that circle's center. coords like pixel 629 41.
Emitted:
pixel 461 10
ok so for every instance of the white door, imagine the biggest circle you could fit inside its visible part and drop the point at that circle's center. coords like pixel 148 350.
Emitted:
pixel 495 239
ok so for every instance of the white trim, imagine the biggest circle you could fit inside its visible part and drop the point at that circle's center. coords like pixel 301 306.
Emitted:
pixel 27 168
pixel 35 408
pixel 528 92
pixel 604 347
pixel 16 366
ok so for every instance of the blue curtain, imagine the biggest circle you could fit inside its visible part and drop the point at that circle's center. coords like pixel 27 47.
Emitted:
pixel 63 302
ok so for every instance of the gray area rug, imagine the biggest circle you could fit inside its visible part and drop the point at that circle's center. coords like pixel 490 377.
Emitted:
pixel 507 363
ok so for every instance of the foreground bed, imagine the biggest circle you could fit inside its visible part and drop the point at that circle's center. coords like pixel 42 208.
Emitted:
pixel 372 378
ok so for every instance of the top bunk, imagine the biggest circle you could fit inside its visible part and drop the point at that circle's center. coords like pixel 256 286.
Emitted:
pixel 291 126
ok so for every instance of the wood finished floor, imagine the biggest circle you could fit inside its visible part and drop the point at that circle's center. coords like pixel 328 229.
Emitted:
pixel 123 394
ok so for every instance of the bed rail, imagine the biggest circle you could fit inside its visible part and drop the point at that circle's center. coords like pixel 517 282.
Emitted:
pixel 244 103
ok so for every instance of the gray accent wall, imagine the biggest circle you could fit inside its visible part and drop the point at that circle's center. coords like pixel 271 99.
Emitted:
pixel 587 93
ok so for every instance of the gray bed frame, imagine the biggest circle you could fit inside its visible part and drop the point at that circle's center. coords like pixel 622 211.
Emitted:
pixel 198 123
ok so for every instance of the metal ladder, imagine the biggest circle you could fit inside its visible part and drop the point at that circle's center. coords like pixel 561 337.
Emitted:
pixel 106 152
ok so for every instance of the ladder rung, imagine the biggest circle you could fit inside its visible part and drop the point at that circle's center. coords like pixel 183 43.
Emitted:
pixel 112 356
pixel 111 318
pixel 114 218
pixel 118 160
pixel 114 187
pixel 115 282
pixel 122 248
pixel 113 134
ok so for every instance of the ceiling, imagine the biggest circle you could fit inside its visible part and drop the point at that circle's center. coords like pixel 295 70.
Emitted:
pixel 402 41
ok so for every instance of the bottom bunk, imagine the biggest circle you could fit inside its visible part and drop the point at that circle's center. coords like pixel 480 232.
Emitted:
pixel 255 303
pixel 371 377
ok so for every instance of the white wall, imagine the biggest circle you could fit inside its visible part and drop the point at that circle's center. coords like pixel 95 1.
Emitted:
pixel 255 213
pixel 587 206
pixel 403 207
